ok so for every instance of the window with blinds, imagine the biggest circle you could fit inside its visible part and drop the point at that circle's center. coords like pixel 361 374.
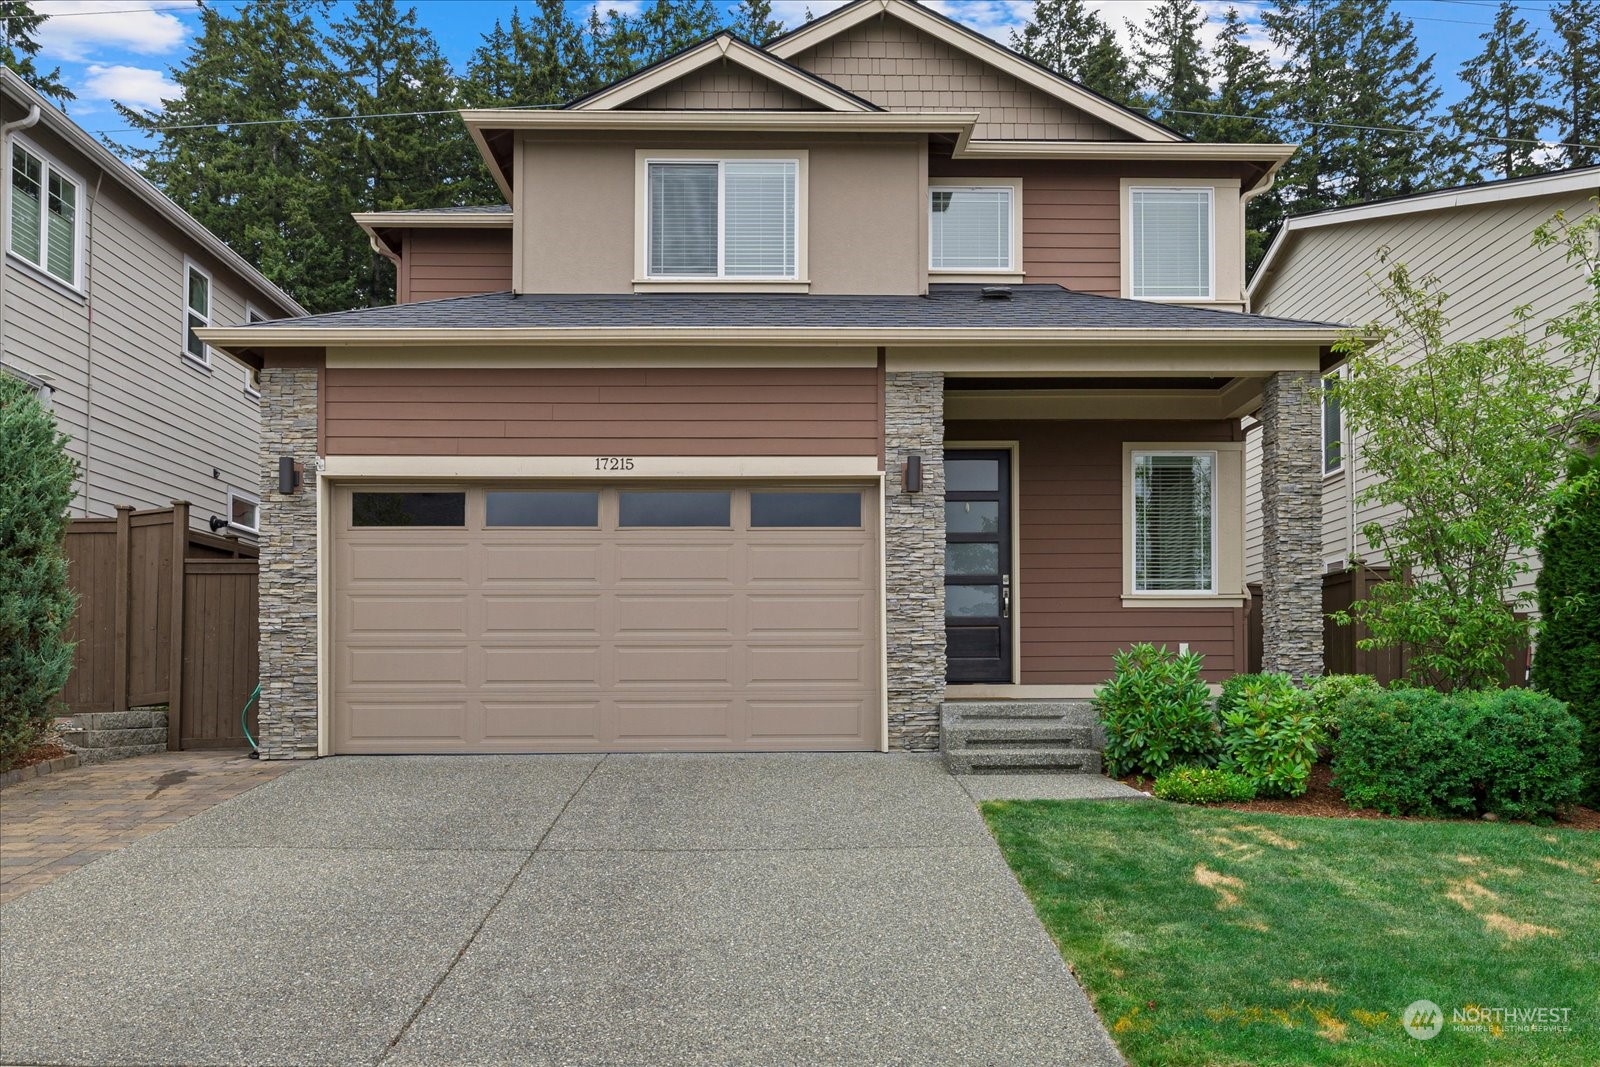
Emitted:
pixel 44 215
pixel 1332 428
pixel 722 219
pixel 1170 246
pixel 970 229
pixel 1174 522
pixel 197 313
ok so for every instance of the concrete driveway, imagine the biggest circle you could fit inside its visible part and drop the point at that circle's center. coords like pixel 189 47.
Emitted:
pixel 763 910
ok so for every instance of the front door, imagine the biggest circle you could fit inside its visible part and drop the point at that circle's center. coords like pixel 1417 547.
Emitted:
pixel 977 565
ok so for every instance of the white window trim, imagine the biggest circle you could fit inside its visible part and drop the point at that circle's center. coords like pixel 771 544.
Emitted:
pixel 1132 185
pixel 183 301
pixel 644 280
pixel 1014 271
pixel 80 223
pixel 1227 525
pixel 250 498
pixel 1322 432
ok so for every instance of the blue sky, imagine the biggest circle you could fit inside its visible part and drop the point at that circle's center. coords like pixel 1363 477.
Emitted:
pixel 122 49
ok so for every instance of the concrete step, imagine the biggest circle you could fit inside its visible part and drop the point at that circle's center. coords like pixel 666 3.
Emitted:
pixel 1034 760
pixel 89 740
pixel 1071 710
pixel 106 755
pixel 994 733
pixel 132 719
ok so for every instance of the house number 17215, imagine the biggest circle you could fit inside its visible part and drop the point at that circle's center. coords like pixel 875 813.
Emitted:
pixel 613 463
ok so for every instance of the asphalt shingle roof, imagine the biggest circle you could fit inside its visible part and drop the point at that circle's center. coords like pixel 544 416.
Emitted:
pixel 945 307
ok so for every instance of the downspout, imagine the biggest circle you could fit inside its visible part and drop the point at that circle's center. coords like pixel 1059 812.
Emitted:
pixel 6 131
pixel 1244 227
pixel 88 347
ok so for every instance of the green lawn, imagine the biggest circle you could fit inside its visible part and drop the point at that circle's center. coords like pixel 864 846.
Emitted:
pixel 1214 937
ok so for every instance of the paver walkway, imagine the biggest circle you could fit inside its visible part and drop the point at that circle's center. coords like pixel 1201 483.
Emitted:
pixel 51 826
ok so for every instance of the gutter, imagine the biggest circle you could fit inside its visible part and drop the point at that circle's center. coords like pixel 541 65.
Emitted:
pixel 30 119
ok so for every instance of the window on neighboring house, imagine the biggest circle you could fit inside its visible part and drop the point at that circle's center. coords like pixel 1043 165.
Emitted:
pixel 1170 243
pixel 1174 522
pixel 252 377
pixel 197 313
pixel 244 511
pixel 1332 428
pixel 971 228
pixel 730 218
pixel 45 220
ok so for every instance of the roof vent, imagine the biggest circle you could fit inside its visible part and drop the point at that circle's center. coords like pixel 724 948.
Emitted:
pixel 996 292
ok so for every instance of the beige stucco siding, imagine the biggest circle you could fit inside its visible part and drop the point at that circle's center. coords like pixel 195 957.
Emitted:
pixel 1485 260
pixel 576 210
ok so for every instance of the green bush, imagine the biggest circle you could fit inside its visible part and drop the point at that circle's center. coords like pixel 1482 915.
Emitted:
pixel 1418 752
pixel 1567 662
pixel 1332 690
pixel 1270 734
pixel 1203 785
pixel 36 603
pixel 1234 688
pixel 1156 711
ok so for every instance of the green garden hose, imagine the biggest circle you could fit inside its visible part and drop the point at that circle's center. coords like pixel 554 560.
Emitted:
pixel 244 718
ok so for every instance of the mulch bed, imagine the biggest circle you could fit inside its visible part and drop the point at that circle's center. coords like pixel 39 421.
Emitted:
pixel 39 754
pixel 1323 800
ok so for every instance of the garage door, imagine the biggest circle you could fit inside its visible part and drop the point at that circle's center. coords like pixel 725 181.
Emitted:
pixel 583 619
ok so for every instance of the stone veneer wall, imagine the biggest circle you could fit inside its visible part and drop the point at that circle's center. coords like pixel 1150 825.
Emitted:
pixel 288 704
pixel 914 552
pixel 1291 535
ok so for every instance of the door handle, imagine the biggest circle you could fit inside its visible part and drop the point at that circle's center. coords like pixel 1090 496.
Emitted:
pixel 1005 596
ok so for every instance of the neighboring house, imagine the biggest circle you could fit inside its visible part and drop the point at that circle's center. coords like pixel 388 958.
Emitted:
pixel 833 379
pixel 103 284
pixel 1477 240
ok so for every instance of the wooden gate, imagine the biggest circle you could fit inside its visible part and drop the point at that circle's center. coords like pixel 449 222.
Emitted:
pixel 166 615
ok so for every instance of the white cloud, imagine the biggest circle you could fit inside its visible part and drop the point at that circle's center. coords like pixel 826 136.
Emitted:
pixel 79 28
pixel 134 86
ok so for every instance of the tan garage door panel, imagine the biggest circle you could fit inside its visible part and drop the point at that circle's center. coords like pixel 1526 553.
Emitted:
pixel 466 637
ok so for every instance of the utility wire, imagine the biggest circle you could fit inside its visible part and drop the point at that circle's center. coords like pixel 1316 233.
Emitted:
pixel 1352 126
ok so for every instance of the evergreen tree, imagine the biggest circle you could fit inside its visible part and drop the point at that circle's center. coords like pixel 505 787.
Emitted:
pixel 1074 41
pixel 616 43
pixel 753 21
pixel 1575 65
pixel 1173 71
pixel 1499 120
pixel 1567 662
pixel 543 62
pixel 1242 113
pixel 669 26
pixel 19 44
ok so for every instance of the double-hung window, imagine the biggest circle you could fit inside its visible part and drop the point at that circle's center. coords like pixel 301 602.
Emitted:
pixel 722 219
pixel 1171 243
pixel 1174 522
pixel 46 224
pixel 972 228
pixel 196 312
pixel 1332 427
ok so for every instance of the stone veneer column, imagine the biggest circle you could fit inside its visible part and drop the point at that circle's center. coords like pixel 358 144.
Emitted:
pixel 913 415
pixel 1291 535
pixel 288 589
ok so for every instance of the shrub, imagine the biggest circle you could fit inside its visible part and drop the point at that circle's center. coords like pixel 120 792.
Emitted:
pixel 1418 752
pixel 1234 688
pixel 1203 785
pixel 1567 662
pixel 36 604
pixel 1331 690
pixel 1156 711
pixel 1270 735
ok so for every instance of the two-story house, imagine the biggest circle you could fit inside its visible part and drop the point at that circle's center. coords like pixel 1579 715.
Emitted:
pixel 809 387
pixel 104 283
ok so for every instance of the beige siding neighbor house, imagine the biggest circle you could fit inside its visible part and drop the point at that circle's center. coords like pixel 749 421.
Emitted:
pixel 1476 239
pixel 794 397
pixel 103 281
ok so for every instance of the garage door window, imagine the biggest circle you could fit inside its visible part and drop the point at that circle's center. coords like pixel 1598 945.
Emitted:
pixel 838 510
pixel 408 509
pixel 675 509
pixel 543 509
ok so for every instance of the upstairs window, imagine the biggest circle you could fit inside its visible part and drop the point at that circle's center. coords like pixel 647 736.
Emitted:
pixel 1174 522
pixel 1332 428
pixel 197 313
pixel 971 228
pixel 1171 243
pixel 725 218
pixel 46 227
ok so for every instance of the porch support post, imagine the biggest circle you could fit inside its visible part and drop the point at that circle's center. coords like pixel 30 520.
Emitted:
pixel 288 567
pixel 913 416
pixel 1291 505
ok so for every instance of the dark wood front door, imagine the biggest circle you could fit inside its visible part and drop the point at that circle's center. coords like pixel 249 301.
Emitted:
pixel 977 565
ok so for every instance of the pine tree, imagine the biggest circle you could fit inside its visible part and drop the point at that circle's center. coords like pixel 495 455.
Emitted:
pixel 616 43
pixel 1575 65
pixel 543 62
pixel 19 44
pixel 669 26
pixel 1172 66
pixel 1499 120
pixel 752 20
pixel 1074 41
pixel 1242 113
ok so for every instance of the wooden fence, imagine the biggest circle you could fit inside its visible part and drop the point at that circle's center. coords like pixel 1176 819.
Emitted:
pixel 166 615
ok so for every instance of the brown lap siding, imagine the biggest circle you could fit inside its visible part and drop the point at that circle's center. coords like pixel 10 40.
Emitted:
pixel 612 411
pixel 443 263
pixel 1070 573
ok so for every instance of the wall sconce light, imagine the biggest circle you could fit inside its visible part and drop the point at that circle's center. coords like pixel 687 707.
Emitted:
pixel 290 474
pixel 911 481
